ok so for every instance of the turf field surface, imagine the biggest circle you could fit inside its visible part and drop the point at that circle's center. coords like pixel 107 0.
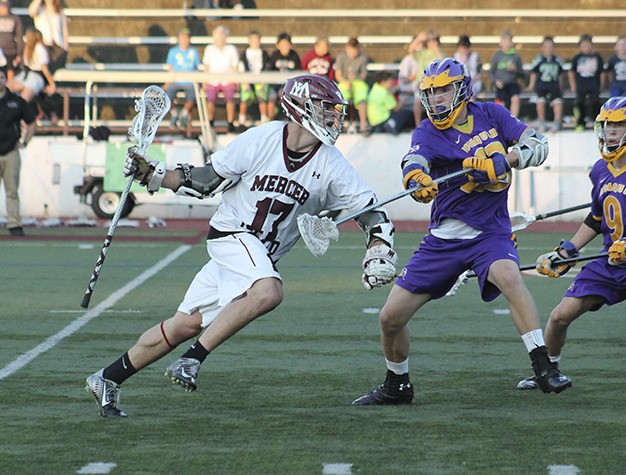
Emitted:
pixel 275 399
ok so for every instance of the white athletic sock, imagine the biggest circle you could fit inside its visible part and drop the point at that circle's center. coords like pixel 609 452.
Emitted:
pixel 533 339
pixel 555 359
pixel 398 368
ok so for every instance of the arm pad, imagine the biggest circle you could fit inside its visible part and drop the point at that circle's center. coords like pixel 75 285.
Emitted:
pixel 593 223
pixel 197 182
pixel 532 149
pixel 376 225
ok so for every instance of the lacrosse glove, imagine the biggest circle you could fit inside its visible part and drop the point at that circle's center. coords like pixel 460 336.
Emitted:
pixel 617 253
pixel 548 264
pixel 139 165
pixel 379 266
pixel 414 175
pixel 144 170
pixel 488 171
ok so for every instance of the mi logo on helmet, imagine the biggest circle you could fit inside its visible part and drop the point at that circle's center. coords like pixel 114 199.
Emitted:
pixel 300 89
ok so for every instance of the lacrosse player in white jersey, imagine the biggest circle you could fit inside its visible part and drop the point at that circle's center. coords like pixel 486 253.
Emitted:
pixel 268 176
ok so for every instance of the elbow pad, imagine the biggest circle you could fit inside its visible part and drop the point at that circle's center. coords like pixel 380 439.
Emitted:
pixel 532 149
pixel 594 223
pixel 198 182
pixel 412 161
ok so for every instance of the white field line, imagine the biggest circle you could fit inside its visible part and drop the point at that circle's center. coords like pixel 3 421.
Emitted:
pixel 89 315
pixel 97 467
pixel 337 469
pixel 563 470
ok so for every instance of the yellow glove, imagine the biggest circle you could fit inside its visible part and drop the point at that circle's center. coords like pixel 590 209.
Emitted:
pixel 488 171
pixel 427 191
pixel 548 264
pixel 617 252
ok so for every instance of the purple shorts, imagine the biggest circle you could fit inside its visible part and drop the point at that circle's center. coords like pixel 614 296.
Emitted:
pixel 600 278
pixel 212 90
pixel 436 265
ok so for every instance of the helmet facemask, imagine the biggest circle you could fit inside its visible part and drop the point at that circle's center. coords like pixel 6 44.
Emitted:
pixel 445 114
pixel 324 119
pixel 613 147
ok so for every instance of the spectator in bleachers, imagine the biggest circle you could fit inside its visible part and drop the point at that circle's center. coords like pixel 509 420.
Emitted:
pixel 254 60
pixel 616 69
pixel 182 58
pixel 221 58
pixel 506 72
pixel 545 80
pixel 50 19
pixel 384 112
pixel 32 78
pixel 585 80
pixel 351 73
pixel 470 58
pixel 11 37
pixel 318 59
pixel 407 72
pixel 425 49
pixel 283 58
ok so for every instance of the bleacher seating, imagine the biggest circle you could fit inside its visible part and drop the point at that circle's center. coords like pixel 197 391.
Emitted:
pixel 142 32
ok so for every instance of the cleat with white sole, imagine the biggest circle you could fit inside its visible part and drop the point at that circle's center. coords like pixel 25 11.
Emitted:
pixel 106 393
pixel 528 384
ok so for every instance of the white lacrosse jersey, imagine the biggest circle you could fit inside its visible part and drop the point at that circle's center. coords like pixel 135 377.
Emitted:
pixel 271 191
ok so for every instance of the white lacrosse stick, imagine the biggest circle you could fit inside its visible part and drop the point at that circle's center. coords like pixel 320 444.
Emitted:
pixel 520 220
pixel 317 232
pixel 151 107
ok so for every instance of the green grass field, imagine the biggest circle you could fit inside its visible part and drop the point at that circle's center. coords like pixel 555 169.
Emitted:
pixel 275 399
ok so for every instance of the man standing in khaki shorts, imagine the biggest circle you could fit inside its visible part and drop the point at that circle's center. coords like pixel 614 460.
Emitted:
pixel 13 111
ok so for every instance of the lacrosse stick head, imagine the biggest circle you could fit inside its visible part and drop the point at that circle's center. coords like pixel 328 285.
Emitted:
pixel 317 232
pixel 460 282
pixel 520 221
pixel 151 107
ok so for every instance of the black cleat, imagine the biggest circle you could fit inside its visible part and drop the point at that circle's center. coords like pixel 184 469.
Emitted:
pixel 553 381
pixel 547 375
pixel 384 395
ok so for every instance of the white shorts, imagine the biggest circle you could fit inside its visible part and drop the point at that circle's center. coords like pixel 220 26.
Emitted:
pixel 237 262
pixel 31 80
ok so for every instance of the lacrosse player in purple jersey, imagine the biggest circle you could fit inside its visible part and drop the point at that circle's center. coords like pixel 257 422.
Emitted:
pixel 469 223
pixel 602 281
pixel 269 176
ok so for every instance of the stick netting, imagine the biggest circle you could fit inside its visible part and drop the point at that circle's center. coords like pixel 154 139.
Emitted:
pixel 151 107
pixel 317 232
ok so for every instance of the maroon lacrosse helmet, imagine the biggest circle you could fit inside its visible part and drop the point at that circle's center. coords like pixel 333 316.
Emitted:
pixel 315 103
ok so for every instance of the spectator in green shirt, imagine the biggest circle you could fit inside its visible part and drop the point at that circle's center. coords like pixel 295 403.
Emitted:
pixel 384 112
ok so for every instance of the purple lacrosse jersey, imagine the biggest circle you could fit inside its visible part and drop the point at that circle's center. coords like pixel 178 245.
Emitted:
pixel 608 203
pixel 490 129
